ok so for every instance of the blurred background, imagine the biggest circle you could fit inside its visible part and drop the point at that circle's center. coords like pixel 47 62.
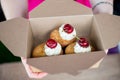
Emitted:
pixel 116 10
pixel 2 17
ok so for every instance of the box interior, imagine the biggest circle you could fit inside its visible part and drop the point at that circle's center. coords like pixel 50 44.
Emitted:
pixel 109 29
pixel 85 26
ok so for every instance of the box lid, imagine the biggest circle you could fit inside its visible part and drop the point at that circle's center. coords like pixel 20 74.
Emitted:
pixel 14 34
pixel 109 26
pixel 50 8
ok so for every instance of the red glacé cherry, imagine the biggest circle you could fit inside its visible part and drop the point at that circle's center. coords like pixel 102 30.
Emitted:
pixel 83 42
pixel 68 28
pixel 51 43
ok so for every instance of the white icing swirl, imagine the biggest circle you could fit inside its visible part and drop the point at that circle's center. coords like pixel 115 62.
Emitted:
pixel 79 49
pixel 54 51
pixel 65 35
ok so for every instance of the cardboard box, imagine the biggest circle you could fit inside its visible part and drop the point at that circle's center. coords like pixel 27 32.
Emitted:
pixel 20 35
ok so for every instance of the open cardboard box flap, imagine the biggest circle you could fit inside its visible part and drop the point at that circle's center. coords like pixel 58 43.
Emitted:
pixel 52 8
pixel 16 35
pixel 71 64
pixel 109 26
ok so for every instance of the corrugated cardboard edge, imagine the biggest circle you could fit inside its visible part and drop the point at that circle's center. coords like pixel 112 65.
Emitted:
pixel 16 35
pixel 50 8
pixel 109 26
